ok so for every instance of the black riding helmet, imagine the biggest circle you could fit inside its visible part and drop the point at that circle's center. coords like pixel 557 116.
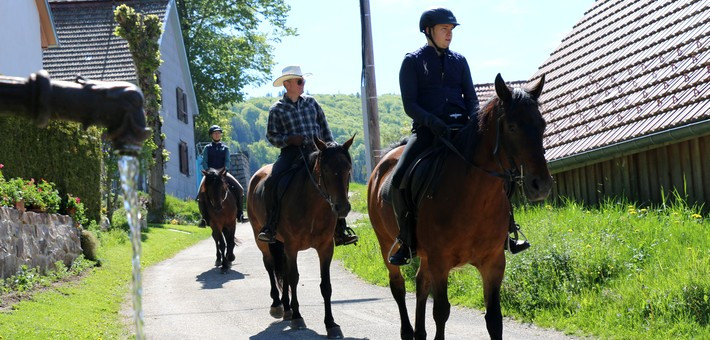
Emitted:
pixel 436 16
pixel 214 128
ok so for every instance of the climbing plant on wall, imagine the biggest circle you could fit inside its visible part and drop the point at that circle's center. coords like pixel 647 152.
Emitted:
pixel 142 33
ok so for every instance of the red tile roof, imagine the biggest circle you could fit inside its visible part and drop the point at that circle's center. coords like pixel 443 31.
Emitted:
pixel 87 45
pixel 627 70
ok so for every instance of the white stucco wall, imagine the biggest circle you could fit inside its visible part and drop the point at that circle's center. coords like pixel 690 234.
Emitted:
pixel 20 39
pixel 174 72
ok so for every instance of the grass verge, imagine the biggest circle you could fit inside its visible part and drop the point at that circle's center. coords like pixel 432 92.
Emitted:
pixel 89 308
pixel 615 272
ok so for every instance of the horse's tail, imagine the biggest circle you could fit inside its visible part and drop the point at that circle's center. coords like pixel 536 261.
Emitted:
pixel 279 256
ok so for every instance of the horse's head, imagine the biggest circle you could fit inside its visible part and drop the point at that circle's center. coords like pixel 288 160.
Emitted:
pixel 215 187
pixel 332 174
pixel 520 130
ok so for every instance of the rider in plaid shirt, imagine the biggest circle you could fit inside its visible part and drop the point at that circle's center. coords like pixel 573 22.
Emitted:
pixel 303 117
pixel 294 121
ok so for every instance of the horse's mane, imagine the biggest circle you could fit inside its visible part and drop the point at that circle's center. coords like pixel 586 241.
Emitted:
pixel 470 135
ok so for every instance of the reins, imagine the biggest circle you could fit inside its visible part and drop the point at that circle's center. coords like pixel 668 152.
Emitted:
pixel 322 193
pixel 508 175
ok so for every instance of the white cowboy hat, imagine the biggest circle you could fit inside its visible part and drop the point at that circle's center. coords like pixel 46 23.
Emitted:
pixel 289 72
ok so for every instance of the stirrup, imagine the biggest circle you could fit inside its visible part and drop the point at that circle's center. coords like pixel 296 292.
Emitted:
pixel 267 235
pixel 407 260
pixel 514 244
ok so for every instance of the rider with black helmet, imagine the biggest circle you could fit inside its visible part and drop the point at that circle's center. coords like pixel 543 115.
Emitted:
pixel 438 94
pixel 216 156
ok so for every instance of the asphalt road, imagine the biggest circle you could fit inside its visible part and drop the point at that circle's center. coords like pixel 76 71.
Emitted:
pixel 186 297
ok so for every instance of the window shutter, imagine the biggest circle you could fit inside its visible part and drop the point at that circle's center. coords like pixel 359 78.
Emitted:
pixel 179 101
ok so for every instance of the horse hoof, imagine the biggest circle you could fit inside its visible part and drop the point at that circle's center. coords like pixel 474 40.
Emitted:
pixel 277 312
pixel 231 258
pixel 298 324
pixel 288 315
pixel 335 333
pixel 217 263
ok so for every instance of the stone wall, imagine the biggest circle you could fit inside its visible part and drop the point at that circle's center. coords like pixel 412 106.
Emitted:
pixel 36 240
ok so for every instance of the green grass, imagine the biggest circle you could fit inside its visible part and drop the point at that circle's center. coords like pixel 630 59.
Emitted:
pixel 89 308
pixel 614 272
pixel 358 197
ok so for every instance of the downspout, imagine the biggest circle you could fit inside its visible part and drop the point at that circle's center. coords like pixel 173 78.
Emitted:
pixel 635 145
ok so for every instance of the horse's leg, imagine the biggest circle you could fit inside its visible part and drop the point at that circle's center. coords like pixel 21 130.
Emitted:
pixel 229 238
pixel 492 276
pixel 423 283
pixel 292 278
pixel 325 254
pixel 442 307
pixel 274 264
pixel 217 237
pixel 399 292
pixel 228 249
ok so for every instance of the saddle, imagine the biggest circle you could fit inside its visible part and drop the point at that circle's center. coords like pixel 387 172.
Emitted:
pixel 285 177
pixel 421 178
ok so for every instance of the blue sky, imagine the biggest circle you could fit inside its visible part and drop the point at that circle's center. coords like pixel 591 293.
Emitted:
pixel 511 37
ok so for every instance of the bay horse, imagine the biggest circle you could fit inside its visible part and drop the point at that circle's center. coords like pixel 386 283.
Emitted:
pixel 467 220
pixel 315 198
pixel 222 209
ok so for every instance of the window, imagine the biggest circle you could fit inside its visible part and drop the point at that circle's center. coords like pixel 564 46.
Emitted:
pixel 181 100
pixel 184 162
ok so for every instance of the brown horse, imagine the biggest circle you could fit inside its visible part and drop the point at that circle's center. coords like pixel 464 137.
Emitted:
pixel 316 196
pixel 467 220
pixel 222 209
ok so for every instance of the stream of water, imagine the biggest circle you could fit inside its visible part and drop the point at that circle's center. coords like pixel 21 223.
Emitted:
pixel 128 169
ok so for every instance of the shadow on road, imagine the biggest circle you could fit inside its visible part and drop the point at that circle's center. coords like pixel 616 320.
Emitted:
pixel 214 279
pixel 282 330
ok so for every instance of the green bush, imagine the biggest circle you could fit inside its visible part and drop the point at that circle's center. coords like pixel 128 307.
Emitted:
pixel 64 153
pixel 89 245
pixel 178 211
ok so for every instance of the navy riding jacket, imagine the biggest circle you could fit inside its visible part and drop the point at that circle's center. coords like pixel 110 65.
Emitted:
pixel 215 155
pixel 436 85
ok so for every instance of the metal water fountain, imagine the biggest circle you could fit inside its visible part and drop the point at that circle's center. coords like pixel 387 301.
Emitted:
pixel 117 106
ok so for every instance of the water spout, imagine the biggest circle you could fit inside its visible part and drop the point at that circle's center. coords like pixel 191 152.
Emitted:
pixel 117 106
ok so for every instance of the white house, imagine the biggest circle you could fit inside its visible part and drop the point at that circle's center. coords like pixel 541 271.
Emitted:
pixel 89 48
pixel 26 28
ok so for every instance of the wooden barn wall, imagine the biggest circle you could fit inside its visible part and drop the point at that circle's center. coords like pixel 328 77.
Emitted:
pixel 641 177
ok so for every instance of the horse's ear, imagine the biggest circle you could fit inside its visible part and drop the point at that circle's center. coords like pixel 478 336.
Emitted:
pixel 319 144
pixel 502 90
pixel 349 142
pixel 223 171
pixel 204 172
pixel 537 89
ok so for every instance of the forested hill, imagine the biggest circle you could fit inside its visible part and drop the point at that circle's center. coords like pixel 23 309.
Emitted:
pixel 344 116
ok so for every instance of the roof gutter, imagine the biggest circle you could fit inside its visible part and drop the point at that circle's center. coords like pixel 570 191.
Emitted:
pixel 635 145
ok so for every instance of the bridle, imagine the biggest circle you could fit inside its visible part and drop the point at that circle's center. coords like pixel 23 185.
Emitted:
pixel 321 188
pixel 509 175
pixel 226 190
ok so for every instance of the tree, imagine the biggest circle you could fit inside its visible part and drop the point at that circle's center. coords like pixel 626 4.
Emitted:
pixel 142 33
pixel 226 50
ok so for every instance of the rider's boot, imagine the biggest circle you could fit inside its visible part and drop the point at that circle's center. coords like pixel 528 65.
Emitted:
pixel 406 221
pixel 202 205
pixel 344 235
pixel 268 232
pixel 237 193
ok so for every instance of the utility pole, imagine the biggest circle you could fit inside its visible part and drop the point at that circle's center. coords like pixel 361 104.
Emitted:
pixel 369 91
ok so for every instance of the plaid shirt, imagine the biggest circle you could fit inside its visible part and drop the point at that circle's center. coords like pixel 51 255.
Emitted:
pixel 304 117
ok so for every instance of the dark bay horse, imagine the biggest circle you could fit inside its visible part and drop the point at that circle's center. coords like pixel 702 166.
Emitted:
pixel 316 196
pixel 467 220
pixel 222 209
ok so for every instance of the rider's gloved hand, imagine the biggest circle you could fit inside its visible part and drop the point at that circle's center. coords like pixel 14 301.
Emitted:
pixel 437 126
pixel 295 140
